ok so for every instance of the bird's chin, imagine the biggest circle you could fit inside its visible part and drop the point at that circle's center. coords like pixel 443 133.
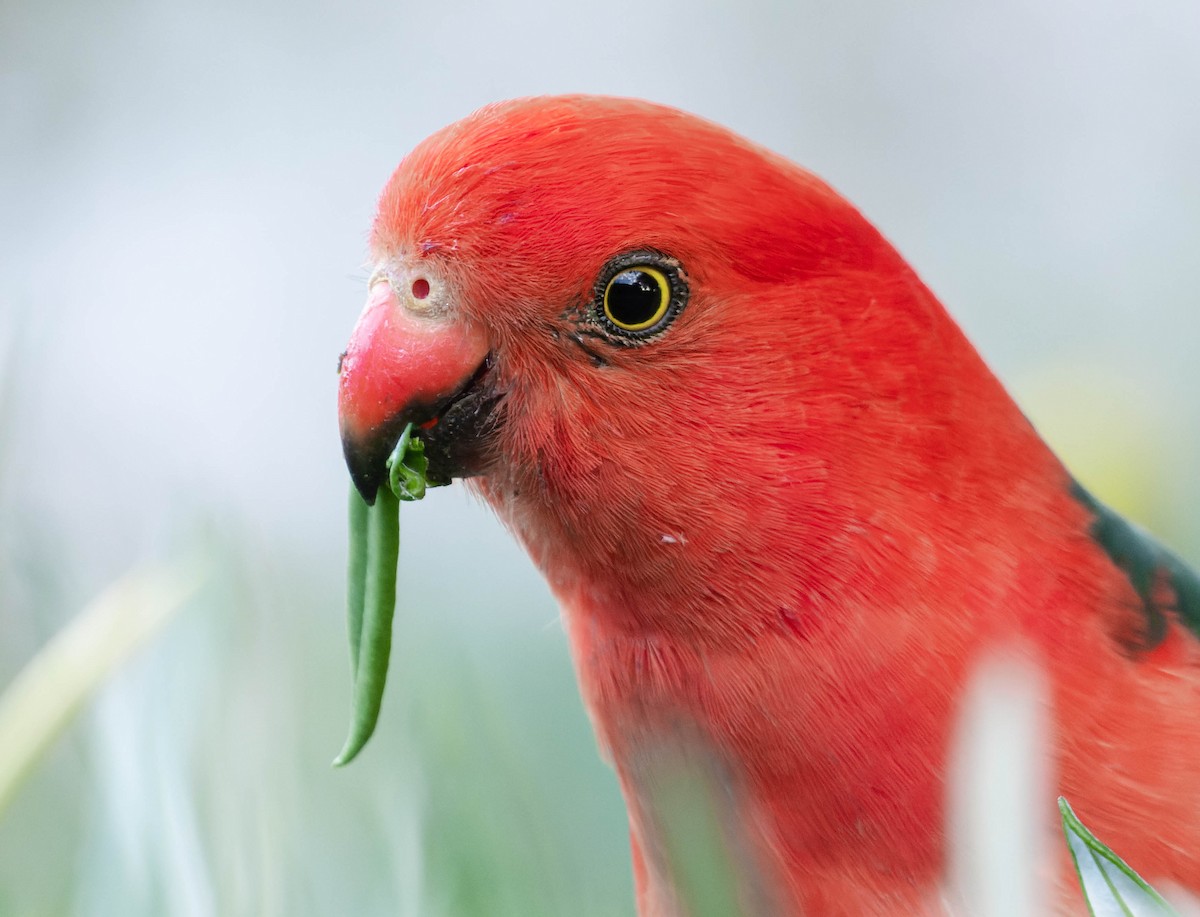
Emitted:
pixel 458 438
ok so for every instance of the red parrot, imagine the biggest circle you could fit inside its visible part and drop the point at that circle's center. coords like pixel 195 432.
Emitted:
pixel 783 504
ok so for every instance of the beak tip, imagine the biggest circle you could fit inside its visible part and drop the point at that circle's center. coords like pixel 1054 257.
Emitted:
pixel 365 489
pixel 367 467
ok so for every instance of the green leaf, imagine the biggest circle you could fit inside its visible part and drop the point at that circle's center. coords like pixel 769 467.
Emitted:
pixel 689 803
pixel 1110 887
pixel 701 864
pixel 408 467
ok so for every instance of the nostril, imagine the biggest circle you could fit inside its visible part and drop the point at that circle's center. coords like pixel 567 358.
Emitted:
pixel 420 288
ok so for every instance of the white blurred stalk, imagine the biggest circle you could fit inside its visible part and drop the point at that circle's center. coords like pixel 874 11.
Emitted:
pixel 50 690
pixel 145 853
pixel 1001 817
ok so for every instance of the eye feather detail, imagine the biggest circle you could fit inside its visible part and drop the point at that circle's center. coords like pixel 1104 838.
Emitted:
pixel 637 295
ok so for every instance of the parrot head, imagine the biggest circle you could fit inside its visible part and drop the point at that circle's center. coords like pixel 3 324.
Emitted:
pixel 607 313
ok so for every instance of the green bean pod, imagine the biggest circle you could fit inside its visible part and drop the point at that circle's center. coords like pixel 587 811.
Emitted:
pixel 372 606
pixel 371 583
pixel 356 574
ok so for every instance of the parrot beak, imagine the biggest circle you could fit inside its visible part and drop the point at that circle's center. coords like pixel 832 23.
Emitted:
pixel 409 361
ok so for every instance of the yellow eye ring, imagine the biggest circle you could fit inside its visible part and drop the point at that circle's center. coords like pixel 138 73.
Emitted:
pixel 637 298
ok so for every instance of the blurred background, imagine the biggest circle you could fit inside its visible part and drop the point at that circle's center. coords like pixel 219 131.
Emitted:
pixel 185 192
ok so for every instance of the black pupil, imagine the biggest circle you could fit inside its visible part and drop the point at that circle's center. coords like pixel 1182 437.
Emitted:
pixel 633 297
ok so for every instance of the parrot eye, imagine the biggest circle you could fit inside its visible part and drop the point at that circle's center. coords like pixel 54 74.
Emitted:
pixel 638 294
pixel 637 298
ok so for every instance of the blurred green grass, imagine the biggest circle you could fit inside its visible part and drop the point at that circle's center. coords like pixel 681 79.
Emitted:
pixel 201 781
